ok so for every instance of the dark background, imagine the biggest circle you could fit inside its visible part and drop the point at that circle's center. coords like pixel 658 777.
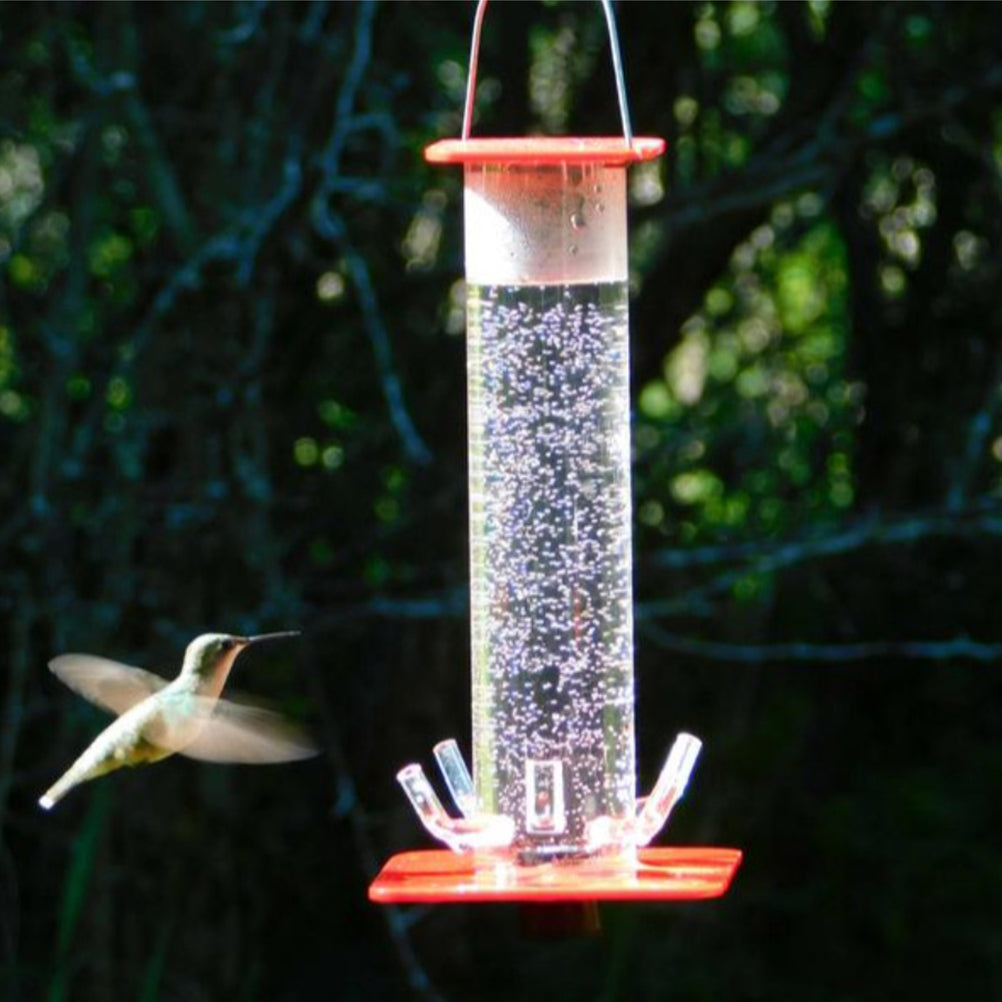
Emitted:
pixel 232 397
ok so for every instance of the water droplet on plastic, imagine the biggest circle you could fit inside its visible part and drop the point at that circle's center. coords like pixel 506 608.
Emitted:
pixel 578 221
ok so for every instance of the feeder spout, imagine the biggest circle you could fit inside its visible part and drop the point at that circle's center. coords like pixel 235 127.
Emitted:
pixel 487 831
pixel 457 777
pixel 668 790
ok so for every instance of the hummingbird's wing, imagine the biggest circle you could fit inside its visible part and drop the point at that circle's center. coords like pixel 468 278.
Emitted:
pixel 110 685
pixel 235 732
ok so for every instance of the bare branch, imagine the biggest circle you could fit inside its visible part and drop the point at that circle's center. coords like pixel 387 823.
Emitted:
pixel 348 805
pixel 446 605
pixel 954 649
pixel 816 163
pixel 344 108
pixel 330 225
pixel 414 446
pixel 765 558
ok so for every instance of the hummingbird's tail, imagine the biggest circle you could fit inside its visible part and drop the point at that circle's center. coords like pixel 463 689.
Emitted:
pixel 58 790
pixel 92 763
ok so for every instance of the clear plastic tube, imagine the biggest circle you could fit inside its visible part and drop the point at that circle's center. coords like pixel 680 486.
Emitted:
pixel 549 462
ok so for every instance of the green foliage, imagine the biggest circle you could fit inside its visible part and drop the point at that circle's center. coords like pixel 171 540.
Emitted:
pixel 750 425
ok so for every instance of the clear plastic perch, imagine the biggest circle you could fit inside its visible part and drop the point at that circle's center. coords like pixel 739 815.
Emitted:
pixel 479 830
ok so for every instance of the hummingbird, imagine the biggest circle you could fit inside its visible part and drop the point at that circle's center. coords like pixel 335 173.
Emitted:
pixel 158 718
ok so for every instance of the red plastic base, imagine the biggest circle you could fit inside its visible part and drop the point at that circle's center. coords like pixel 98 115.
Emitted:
pixel 663 874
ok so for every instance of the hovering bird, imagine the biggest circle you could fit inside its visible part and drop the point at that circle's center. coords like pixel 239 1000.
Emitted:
pixel 158 718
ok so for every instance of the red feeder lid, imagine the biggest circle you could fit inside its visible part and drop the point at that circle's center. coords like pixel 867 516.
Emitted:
pixel 610 150
pixel 436 876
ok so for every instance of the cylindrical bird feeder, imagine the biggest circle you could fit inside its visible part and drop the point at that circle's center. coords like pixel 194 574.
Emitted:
pixel 549 465
pixel 553 783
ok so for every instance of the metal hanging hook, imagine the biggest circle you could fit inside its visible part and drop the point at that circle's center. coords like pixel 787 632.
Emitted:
pixel 617 67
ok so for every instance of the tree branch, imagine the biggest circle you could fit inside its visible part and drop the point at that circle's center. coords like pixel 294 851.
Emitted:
pixel 954 649
pixel 333 227
pixel 766 558
pixel 348 805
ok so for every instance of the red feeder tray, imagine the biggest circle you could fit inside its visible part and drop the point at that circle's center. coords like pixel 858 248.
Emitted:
pixel 439 876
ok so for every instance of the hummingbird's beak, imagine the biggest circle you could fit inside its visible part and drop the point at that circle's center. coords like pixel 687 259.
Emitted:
pixel 270 636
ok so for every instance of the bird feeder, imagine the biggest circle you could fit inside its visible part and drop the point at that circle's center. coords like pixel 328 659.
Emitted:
pixel 549 811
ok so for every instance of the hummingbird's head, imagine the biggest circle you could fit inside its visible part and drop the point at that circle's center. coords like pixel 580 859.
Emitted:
pixel 213 654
